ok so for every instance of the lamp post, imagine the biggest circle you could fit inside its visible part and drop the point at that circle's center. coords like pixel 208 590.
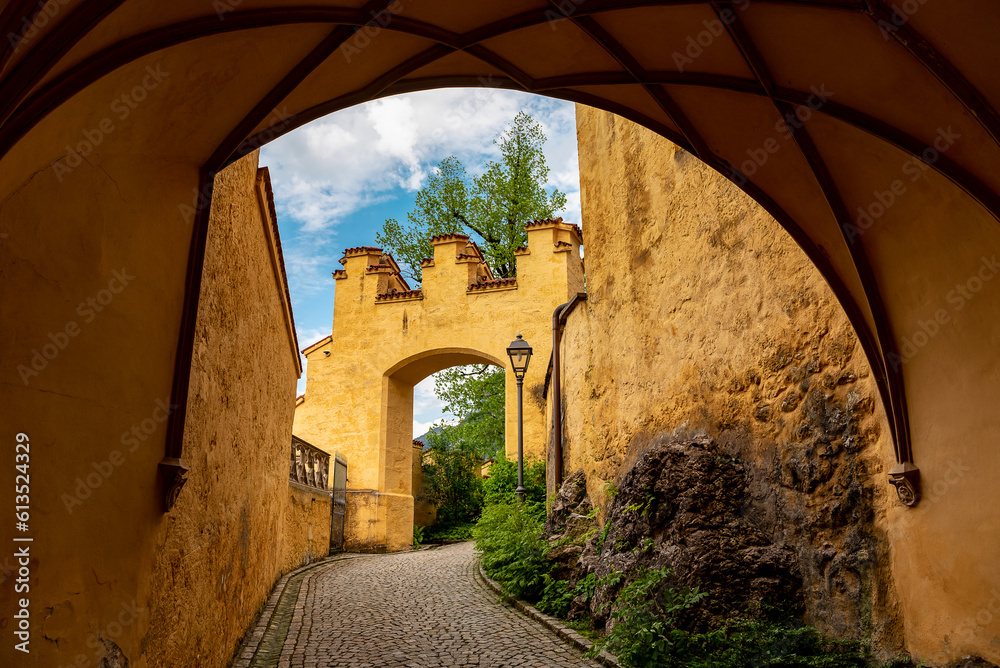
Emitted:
pixel 520 353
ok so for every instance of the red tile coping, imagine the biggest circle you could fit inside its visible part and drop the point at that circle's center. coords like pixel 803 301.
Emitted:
pixel 563 244
pixel 416 442
pixel 495 283
pixel 449 237
pixel 427 262
pixel 340 273
pixel 400 294
pixel 550 221
pixel 264 174
pixel 325 339
pixel 361 250
pixel 521 250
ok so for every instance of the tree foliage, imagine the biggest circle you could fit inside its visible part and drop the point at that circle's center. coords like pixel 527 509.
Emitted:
pixel 500 486
pixel 452 479
pixel 475 395
pixel 493 208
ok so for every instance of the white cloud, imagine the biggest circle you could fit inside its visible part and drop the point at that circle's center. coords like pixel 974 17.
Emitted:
pixel 428 410
pixel 356 157
pixel 307 337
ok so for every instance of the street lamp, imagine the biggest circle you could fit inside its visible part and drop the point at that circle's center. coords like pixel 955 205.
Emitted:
pixel 520 354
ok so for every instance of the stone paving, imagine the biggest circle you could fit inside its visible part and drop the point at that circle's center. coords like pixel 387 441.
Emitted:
pixel 419 609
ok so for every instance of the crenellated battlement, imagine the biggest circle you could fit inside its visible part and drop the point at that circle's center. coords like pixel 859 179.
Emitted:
pixel 459 265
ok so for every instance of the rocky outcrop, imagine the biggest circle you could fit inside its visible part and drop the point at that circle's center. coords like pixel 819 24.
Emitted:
pixel 684 505
pixel 972 662
pixel 570 523
pixel 571 514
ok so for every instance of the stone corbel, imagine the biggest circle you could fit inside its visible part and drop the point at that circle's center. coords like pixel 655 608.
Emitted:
pixel 173 473
pixel 905 477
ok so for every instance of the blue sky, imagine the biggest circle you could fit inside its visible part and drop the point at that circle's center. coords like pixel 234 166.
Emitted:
pixel 337 179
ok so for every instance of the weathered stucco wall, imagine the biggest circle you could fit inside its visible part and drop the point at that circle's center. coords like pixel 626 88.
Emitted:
pixel 218 551
pixel 102 248
pixel 305 534
pixel 703 315
pixel 424 512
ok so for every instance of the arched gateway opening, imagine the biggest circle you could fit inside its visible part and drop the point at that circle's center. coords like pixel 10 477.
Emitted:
pixel 359 398
pixel 869 130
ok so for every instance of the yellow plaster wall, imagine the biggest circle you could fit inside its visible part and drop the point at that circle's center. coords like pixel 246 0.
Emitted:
pixel 220 548
pixel 703 315
pixel 305 534
pixel 359 392
pixel 109 568
pixel 424 512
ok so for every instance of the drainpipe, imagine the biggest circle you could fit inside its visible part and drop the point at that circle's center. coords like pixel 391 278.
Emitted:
pixel 558 324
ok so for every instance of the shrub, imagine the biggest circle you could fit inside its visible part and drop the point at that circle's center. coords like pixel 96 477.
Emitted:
pixel 500 486
pixel 643 632
pixel 762 642
pixel 418 536
pixel 512 550
pixel 557 595
pixel 449 531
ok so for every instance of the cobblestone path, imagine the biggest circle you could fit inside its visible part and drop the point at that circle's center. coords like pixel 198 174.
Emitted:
pixel 418 609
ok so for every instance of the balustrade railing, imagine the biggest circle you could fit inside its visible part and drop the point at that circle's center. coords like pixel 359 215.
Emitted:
pixel 309 465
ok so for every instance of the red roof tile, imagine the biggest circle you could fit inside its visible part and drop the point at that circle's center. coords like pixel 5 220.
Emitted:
pixel 449 237
pixel 399 294
pixel 495 283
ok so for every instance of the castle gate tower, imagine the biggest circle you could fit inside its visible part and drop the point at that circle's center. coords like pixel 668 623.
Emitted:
pixel 387 338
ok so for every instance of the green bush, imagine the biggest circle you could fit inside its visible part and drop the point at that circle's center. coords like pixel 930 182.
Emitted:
pixel 511 548
pixel 418 536
pixel 762 642
pixel 449 531
pixel 643 632
pixel 557 595
pixel 500 486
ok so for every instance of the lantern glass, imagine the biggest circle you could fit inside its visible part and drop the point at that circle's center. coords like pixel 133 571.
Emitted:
pixel 520 354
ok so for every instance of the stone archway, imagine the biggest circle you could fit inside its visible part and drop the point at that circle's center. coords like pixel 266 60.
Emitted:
pixel 386 338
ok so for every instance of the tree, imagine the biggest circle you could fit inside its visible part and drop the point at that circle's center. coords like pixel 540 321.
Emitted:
pixel 502 483
pixel 475 396
pixel 492 208
pixel 452 478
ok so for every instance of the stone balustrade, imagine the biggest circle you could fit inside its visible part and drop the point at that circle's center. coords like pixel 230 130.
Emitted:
pixel 309 465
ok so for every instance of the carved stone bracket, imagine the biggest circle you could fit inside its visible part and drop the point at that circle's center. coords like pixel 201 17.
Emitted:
pixel 905 477
pixel 173 473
